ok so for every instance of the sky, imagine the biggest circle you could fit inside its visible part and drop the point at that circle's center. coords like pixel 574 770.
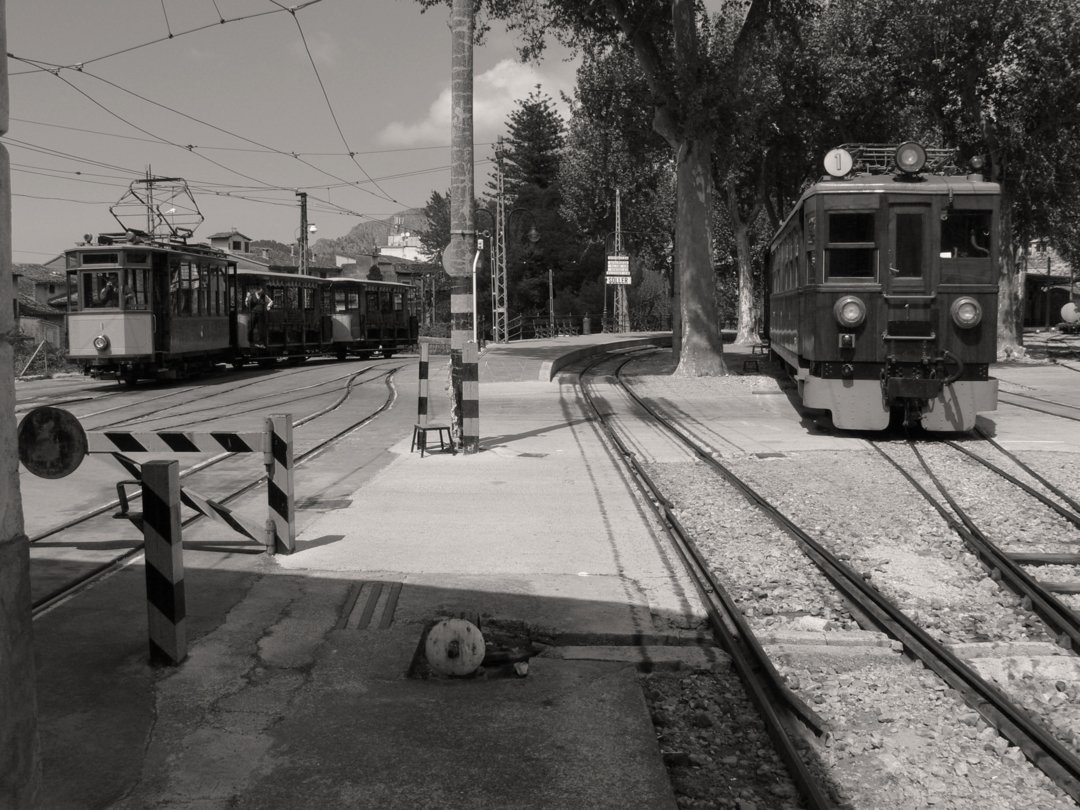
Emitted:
pixel 240 111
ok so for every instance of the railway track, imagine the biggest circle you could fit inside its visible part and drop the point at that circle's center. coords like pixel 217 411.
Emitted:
pixel 95 558
pixel 867 602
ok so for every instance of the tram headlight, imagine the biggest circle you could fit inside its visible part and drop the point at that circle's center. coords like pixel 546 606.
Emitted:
pixel 966 312
pixel 910 157
pixel 101 343
pixel 850 311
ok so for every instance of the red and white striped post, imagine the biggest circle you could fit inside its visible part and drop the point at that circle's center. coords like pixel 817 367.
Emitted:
pixel 166 605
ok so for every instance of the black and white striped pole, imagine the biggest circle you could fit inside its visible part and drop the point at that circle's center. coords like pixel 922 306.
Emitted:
pixel 278 457
pixel 166 605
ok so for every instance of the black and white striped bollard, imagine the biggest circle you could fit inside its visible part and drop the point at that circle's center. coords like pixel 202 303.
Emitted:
pixel 166 605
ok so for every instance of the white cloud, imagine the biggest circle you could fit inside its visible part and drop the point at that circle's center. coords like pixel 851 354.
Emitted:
pixel 495 94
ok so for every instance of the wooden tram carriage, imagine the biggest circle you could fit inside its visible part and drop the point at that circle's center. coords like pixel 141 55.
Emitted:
pixel 882 292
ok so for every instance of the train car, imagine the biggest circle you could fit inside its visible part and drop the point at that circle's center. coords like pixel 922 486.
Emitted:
pixel 289 324
pixel 882 298
pixel 145 308
pixel 368 316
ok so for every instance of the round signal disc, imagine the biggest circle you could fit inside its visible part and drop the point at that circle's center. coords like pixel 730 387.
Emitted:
pixel 52 443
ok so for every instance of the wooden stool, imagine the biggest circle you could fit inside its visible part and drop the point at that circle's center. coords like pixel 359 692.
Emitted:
pixel 750 362
pixel 419 437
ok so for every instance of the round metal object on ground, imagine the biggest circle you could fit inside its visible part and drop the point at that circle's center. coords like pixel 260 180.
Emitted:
pixel 52 443
pixel 454 647
pixel 1070 313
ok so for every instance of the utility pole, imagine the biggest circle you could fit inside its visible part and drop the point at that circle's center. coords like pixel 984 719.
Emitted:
pixel 461 252
pixel 622 317
pixel 498 266
pixel 303 232
pixel 20 766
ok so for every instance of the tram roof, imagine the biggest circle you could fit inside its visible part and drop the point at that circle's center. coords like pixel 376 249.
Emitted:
pixel 273 276
pixel 366 281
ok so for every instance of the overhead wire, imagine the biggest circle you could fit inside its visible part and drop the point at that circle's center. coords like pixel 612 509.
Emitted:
pixel 191 148
pixel 329 106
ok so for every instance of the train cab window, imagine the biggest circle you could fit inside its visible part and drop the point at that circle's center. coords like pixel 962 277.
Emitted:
pixel 399 302
pixel 850 249
pixel 372 302
pixel 340 301
pixel 965 235
pixel 354 300
pixel 292 297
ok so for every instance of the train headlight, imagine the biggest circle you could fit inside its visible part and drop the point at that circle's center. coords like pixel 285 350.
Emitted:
pixel 849 311
pixel 910 157
pixel 966 312
pixel 101 343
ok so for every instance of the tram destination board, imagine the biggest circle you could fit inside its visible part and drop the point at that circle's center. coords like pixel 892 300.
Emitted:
pixel 618 270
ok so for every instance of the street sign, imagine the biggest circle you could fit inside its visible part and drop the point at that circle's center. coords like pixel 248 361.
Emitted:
pixel 618 270
pixel 52 443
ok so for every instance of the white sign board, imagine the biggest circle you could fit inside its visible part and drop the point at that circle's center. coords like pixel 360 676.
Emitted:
pixel 618 270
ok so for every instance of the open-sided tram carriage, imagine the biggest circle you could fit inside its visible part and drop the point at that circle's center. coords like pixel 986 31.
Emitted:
pixel 883 290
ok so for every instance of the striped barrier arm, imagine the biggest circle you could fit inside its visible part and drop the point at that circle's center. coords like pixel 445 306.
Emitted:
pixel 175 442
pixel 166 604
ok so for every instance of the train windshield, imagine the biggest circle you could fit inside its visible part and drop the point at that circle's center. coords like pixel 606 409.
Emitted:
pixel 965 235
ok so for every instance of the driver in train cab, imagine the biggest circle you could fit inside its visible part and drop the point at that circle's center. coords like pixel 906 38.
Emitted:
pixel 258 303
pixel 108 296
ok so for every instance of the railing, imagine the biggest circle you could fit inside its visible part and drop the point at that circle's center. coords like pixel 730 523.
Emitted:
pixel 532 327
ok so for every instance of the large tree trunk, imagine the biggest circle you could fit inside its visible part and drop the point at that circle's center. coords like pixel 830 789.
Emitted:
pixel 702 351
pixel 1010 288
pixel 749 323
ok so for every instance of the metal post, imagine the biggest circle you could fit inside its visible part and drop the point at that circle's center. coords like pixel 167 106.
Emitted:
pixel 470 399
pixel 303 232
pixel 551 304
pixel 279 484
pixel 166 606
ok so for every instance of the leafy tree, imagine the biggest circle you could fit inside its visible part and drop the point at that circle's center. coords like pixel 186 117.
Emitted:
pixel 436 236
pixel 991 78
pixel 674 58
pixel 611 145
pixel 539 238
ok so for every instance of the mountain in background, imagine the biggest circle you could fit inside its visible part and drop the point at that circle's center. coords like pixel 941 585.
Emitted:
pixel 367 235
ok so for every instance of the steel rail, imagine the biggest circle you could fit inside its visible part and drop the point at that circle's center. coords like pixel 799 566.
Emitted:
pixel 1062 621
pixel 1043 749
pixel 753 666
pixel 1002 398
pixel 1029 470
pixel 100 572
pixel 1069 515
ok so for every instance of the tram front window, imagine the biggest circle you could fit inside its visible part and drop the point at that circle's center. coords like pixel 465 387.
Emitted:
pixel 100 290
